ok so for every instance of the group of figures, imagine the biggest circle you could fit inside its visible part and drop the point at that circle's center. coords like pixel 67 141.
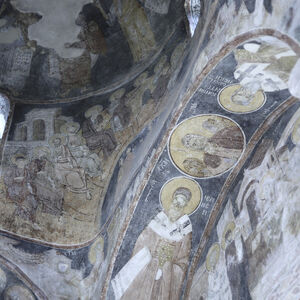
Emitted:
pixel 206 145
pixel 63 163
pixel 256 251
pixel 59 168
pixel 202 146
pixel 97 34
pixel 255 226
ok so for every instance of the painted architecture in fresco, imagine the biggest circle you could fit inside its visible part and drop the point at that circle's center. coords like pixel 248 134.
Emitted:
pixel 141 163
pixel 55 168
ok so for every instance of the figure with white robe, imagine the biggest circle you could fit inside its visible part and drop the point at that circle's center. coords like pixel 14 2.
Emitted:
pixel 160 257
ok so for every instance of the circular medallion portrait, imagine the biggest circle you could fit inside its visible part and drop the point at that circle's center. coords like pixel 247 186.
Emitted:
pixel 180 196
pixel 238 99
pixel 206 145
pixel 18 292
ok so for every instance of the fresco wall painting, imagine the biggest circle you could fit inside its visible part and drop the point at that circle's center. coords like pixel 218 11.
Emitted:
pixel 204 148
pixel 56 168
pixel 104 45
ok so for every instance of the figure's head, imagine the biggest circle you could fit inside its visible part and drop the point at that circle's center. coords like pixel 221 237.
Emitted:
pixel 20 161
pixel 72 129
pixel 242 96
pixel 194 142
pixel 57 142
pixel 93 26
pixel 194 167
pixel 180 199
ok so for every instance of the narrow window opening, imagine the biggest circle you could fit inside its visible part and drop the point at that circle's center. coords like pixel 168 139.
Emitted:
pixel 39 130
pixel 4 112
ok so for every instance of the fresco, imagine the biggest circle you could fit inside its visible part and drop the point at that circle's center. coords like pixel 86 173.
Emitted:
pixel 12 286
pixel 56 166
pixel 214 136
pixel 206 145
pixel 161 252
pixel 237 98
pixel 60 274
pixel 104 44
pixel 258 231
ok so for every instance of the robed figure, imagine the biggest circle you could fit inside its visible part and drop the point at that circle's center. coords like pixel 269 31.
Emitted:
pixel 160 257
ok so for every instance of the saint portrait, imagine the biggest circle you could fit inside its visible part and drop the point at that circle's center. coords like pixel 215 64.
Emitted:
pixel 241 99
pixel 206 145
pixel 160 257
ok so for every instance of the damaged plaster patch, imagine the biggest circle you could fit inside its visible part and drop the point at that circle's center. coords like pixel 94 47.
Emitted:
pixel 57 26
pixel 8 35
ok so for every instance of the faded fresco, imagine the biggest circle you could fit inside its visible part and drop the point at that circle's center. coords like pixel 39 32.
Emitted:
pixel 104 44
pixel 237 98
pixel 56 167
pixel 206 145
pixel 12 286
pixel 255 255
pixel 141 164
pixel 160 256
pixel 59 274
pixel 215 133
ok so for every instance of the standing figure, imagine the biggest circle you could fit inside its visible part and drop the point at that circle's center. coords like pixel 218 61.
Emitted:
pixel 160 257
pixel 96 131
pixel 135 26
pixel 20 186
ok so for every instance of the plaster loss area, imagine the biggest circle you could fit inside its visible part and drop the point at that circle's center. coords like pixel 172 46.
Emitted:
pixel 57 25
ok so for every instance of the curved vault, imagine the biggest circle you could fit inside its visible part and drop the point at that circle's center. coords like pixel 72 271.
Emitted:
pixel 68 50
pixel 81 181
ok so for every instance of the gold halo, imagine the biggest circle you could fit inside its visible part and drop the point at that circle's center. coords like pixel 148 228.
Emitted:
pixel 226 102
pixel 95 249
pixel 94 109
pixel 212 257
pixel 18 290
pixel 64 128
pixel 167 191
pixel 57 136
pixel 296 135
pixel 16 156
pixel 205 127
pixel 229 227
pixel 117 95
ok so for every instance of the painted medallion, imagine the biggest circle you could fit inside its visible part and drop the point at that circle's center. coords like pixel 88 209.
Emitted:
pixel 206 145
pixel 240 99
